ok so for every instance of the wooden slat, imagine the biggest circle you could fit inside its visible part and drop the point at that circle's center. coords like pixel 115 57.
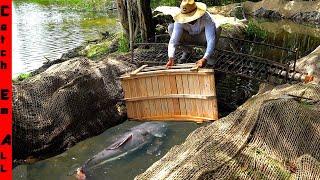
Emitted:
pixel 186 90
pixel 131 84
pixel 192 88
pixel 156 92
pixel 211 84
pixel 126 88
pixel 130 112
pixel 144 104
pixel 174 90
pixel 182 101
pixel 135 72
pixel 198 92
pixel 203 91
pixel 157 68
pixel 177 118
pixel 167 92
pixel 162 91
pixel 169 72
pixel 150 93
pixel 172 96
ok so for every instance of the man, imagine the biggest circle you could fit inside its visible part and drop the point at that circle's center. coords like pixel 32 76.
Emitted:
pixel 193 25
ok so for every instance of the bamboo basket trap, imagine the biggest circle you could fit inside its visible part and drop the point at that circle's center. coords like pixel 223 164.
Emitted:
pixel 181 93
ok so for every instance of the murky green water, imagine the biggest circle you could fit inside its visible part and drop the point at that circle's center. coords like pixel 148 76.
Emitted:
pixel 288 34
pixel 127 167
pixel 46 32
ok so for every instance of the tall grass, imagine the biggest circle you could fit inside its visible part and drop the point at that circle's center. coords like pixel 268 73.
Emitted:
pixel 90 5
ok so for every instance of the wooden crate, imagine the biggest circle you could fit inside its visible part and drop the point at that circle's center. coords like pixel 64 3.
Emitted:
pixel 177 94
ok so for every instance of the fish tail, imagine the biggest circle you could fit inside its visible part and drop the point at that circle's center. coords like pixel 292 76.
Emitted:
pixel 81 173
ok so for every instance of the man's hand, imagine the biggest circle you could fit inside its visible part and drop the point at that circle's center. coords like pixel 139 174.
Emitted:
pixel 170 63
pixel 201 62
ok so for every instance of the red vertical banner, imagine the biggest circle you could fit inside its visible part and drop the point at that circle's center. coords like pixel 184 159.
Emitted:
pixel 5 89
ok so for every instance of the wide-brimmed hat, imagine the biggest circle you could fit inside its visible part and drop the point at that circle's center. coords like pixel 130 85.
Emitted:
pixel 190 11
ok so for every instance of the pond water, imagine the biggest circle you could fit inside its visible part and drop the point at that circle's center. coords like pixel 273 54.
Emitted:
pixel 288 34
pixel 127 167
pixel 42 33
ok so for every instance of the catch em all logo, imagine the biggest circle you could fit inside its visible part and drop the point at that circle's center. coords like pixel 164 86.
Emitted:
pixel 5 89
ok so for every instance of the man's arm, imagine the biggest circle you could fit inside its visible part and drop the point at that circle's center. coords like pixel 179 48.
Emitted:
pixel 174 39
pixel 210 32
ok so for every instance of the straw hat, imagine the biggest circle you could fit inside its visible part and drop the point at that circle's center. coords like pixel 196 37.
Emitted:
pixel 190 11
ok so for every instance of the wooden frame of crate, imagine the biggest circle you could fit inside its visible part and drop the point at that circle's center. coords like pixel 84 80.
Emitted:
pixel 181 93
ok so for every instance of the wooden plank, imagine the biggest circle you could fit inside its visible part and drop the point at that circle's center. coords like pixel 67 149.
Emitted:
pixel 212 87
pixel 168 92
pixel 157 68
pixel 130 112
pixel 174 90
pixel 156 92
pixel 169 72
pixel 197 91
pixel 177 118
pixel 203 91
pixel 125 88
pixel 131 84
pixel 145 112
pixel 186 90
pixel 172 96
pixel 193 109
pixel 182 101
pixel 150 94
pixel 135 72
pixel 162 92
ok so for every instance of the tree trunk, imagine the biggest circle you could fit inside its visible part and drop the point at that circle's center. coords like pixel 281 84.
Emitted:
pixel 141 18
pixel 122 13
pixel 145 20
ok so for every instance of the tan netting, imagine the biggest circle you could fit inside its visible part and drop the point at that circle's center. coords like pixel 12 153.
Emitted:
pixel 271 136
pixel 66 103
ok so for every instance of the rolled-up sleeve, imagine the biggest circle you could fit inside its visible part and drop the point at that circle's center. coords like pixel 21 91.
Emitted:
pixel 210 32
pixel 174 39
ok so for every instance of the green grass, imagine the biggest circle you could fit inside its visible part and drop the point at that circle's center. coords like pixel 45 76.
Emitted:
pixel 99 49
pixel 90 5
pixel 123 44
pixel 253 31
pixel 22 77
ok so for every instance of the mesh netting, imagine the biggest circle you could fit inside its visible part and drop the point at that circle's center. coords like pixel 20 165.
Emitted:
pixel 66 103
pixel 271 136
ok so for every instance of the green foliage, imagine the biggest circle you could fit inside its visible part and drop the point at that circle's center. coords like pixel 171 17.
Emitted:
pixel 98 49
pixel 253 31
pixel 227 26
pixel 23 76
pixel 156 3
pixel 123 44
pixel 89 5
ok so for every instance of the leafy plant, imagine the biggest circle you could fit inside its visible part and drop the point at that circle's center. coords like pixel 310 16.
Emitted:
pixel 253 31
pixel 23 76
pixel 123 44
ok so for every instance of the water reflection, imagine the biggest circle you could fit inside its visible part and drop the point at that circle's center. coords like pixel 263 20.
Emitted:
pixel 42 33
pixel 285 33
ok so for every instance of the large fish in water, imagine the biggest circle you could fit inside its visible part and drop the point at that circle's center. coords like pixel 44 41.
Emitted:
pixel 136 138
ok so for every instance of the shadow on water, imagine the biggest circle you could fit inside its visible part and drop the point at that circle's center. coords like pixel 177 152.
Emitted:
pixel 46 32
